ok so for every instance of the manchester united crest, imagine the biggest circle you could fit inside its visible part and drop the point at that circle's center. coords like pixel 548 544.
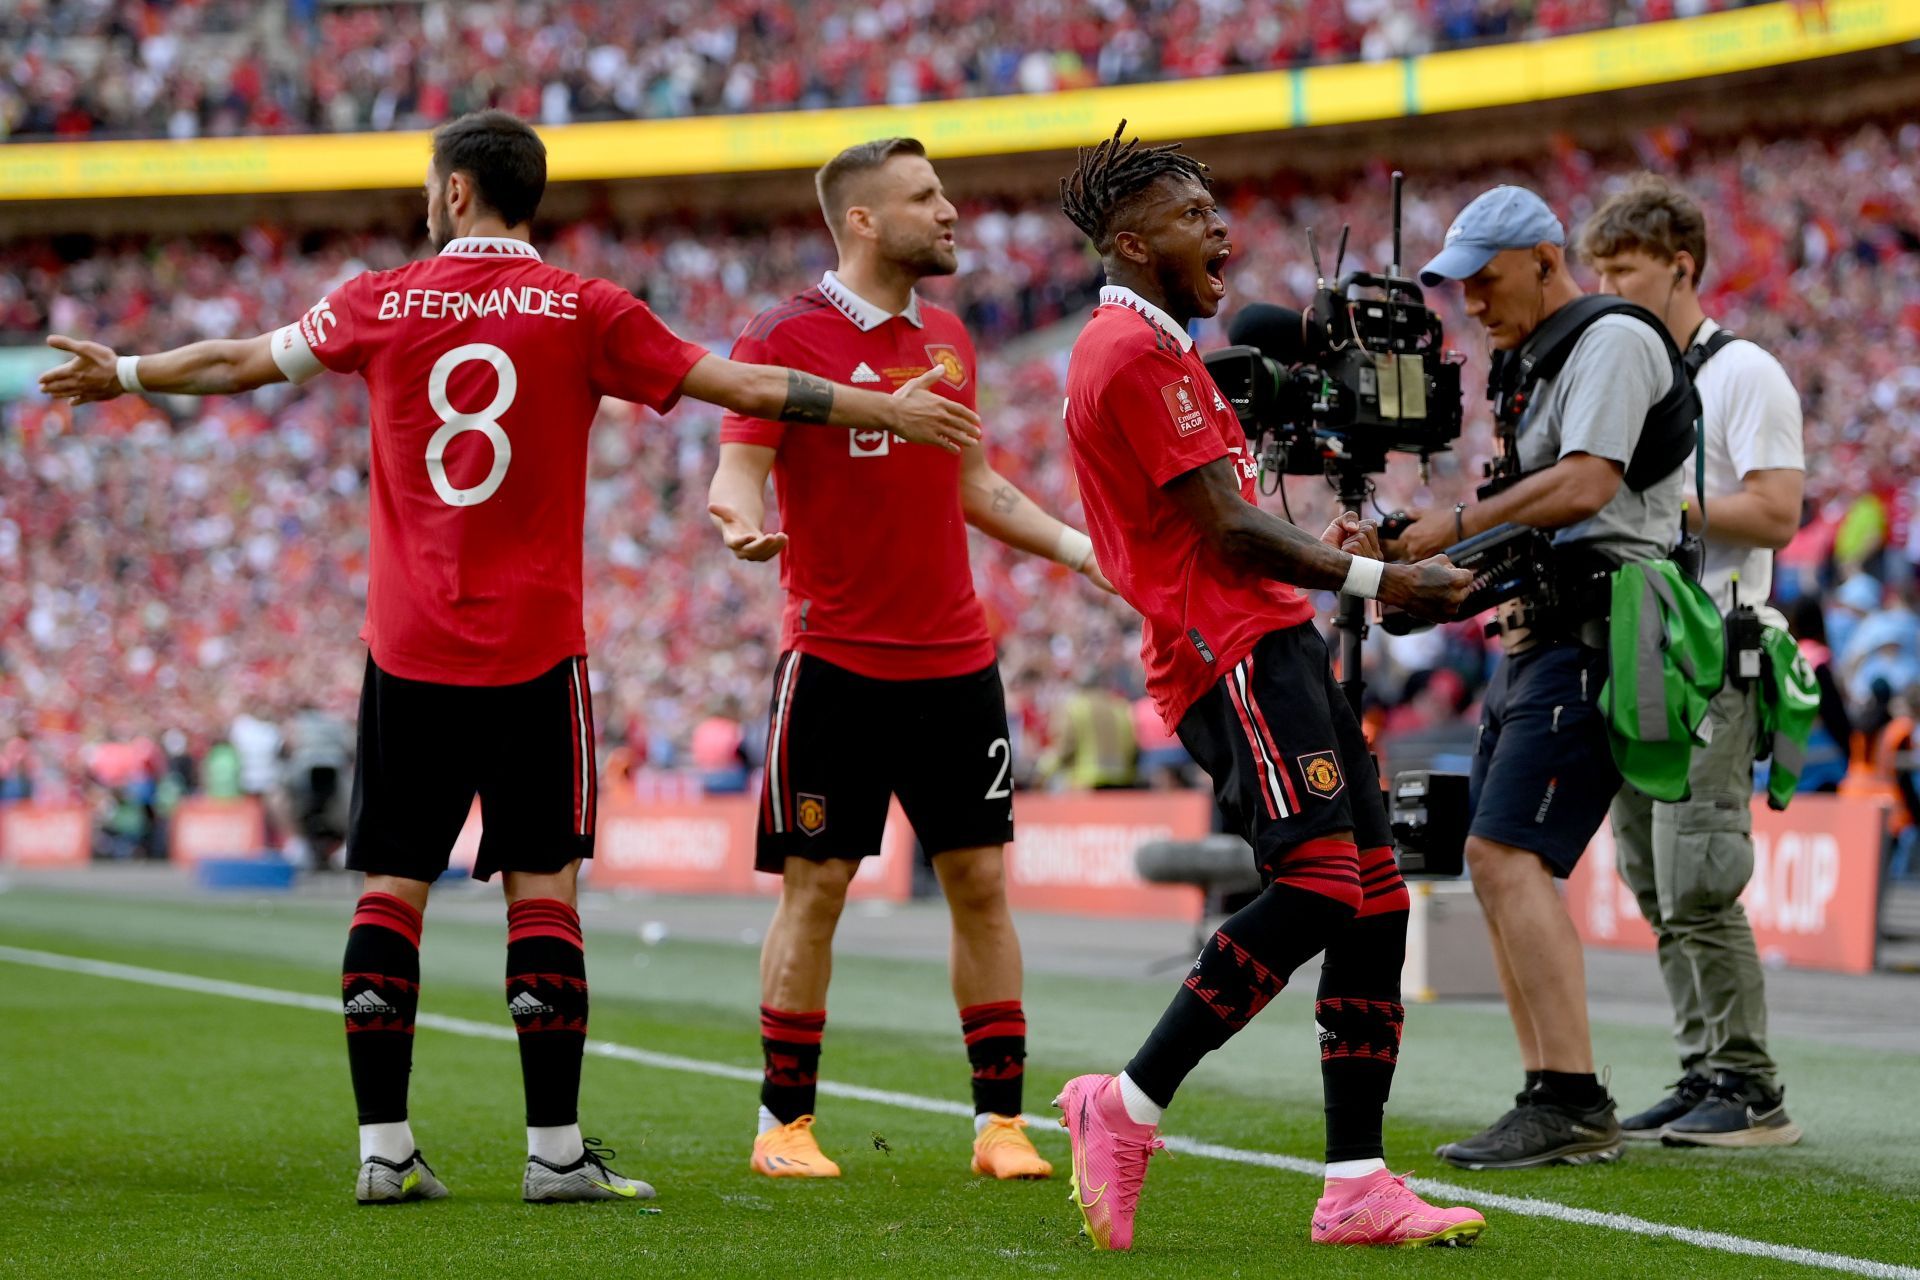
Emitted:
pixel 1320 770
pixel 811 814
pixel 948 358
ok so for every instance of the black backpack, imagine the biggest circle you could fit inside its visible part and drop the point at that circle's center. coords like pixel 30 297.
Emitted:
pixel 1671 431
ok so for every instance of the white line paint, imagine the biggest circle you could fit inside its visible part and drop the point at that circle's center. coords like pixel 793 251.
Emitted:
pixel 1526 1206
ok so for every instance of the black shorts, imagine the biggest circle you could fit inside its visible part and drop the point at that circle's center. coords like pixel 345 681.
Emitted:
pixel 427 749
pixel 839 744
pixel 1543 772
pixel 1288 760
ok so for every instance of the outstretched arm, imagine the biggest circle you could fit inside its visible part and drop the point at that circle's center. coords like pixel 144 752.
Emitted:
pixel 223 366
pixel 774 394
pixel 994 505
pixel 1261 543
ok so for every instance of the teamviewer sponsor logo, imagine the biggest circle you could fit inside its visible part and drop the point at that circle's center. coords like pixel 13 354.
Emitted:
pixel 868 444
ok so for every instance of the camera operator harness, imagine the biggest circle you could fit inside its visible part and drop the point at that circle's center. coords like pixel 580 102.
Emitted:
pixel 1559 589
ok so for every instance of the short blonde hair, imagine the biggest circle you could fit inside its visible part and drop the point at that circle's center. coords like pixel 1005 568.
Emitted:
pixel 837 174
pixel 1653 216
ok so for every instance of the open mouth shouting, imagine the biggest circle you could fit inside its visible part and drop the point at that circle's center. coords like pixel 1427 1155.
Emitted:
pixel 1216 265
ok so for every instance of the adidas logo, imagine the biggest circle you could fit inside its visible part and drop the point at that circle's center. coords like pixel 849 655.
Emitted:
pixel 368 1002
pixel 863 373
pixel 527 1002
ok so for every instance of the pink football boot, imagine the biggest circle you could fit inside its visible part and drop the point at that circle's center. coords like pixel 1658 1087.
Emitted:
pixel 1110 1151
pixel 1378 1209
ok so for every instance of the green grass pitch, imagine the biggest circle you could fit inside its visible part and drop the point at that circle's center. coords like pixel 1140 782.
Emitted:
pixel 154 1132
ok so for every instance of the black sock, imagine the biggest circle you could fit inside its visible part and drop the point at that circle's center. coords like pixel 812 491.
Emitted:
pixel 1576 1089
pixel 1360 1015
pixel 1533 1081
pixel 790 1043
pixel 1242 967
pixel 996 1036
pixel 547 996
pixel 380 992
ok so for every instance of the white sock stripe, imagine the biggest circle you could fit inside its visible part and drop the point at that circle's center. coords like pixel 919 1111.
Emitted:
pixel 1526 1206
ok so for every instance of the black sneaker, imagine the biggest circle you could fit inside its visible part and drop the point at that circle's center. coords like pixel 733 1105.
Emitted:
pixel 1738 1111
pixel 1689 1091
pixel 1492 1131
pixel 1545 1131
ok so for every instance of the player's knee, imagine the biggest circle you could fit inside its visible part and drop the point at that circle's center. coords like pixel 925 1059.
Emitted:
pixel 411 892
pixel 818 890
pixel 561 886
pixel 974 881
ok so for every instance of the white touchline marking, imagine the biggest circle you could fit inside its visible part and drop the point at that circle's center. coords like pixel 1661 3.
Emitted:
pixel 1525 1205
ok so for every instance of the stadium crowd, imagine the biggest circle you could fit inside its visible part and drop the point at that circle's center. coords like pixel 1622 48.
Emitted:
pixel 180 576
pixel 193 68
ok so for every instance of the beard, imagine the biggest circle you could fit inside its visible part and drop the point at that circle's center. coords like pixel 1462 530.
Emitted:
pixel 439 229
pixel 924 258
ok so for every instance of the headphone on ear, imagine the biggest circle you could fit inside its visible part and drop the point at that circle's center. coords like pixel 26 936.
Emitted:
pixel 1679 273
pixel 1546 269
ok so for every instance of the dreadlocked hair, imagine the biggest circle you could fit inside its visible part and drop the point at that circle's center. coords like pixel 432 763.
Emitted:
pixel 1106 179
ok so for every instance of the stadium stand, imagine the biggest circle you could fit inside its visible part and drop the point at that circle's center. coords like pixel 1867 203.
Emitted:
pixel 194 68
pixel 178 570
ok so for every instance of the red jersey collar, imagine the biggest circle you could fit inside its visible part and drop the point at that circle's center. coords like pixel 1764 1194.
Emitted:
pixel 1119 295
pixel 489 247
pixel 865 315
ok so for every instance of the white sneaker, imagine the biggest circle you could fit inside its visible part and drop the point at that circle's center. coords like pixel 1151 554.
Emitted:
pixel 587 1178
pixel 388 1182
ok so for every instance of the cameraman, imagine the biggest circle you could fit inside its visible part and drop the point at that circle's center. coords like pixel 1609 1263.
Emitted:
pixel 1543 773
pixel 1688 862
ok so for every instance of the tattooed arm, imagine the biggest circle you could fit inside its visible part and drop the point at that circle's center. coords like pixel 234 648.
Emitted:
pixel 914 412
pixel 997 508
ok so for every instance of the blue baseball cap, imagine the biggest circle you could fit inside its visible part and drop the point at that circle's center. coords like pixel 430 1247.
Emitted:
pixel 1503 218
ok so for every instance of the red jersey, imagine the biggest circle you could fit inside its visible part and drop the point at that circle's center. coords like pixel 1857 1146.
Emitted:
pixel 485 367
pixel 876 575
pixel 1141 410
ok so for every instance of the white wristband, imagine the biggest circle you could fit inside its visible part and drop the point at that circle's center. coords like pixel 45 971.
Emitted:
pixel 128 369
pixel 1363 577
pixel 1074 549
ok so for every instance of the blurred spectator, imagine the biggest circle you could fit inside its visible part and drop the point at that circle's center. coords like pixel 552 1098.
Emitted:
pixel 187 68
pixel 1093 744
pixel 718 754
pixel 1164 762
pixel 1828 745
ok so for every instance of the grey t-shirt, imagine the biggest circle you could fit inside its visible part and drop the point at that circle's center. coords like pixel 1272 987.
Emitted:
pixel 1598 404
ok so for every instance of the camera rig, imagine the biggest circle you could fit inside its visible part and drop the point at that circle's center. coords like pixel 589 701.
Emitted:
pixel 1362 374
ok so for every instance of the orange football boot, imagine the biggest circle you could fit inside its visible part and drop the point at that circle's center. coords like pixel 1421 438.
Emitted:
pixel 791 1151
pixel 1003 1150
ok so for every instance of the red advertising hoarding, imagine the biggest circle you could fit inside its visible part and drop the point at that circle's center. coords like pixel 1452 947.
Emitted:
pixel 1813 900
pixel 209 828
pixel 45 835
